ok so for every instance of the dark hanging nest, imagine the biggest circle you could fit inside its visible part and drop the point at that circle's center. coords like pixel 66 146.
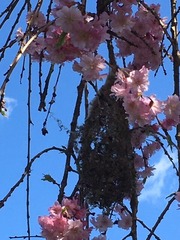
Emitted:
pixel 105 160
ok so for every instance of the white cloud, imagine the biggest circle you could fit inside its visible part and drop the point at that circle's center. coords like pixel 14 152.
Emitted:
pixel 10 104
pixel 155 185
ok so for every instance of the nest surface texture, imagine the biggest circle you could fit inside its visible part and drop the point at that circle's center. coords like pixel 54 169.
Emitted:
pixel 105 161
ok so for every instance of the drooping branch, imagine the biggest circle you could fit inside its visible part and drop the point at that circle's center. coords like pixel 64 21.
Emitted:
pixel 71 139
pixel 164 27
pixel 52 101
pixel 149 229
pixel 8 42
pixel 160 218
pixel 176 64
pixel 26 171
pixel 42 104
pixel 29 123
pixel 175 47
pixel 8 11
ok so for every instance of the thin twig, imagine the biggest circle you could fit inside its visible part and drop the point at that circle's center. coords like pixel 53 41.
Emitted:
pixel 24 237
pixel 71 139
pixel 29 147
pixel 52 101
pixel 26 171
pixel 160 218
pixel 176 64
pixel 12 30
pixel 164 27
pixel 149 229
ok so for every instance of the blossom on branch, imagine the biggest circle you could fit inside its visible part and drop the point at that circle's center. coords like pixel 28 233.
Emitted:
pixel 172 112
pixel 102 222
pixel 68 18
pixel 65 222
pixel 62 3
pixel 138 81
pixel 126 220
pixel 76 231
pixel 100 237
pixel 138 39
pixel 36 19
pixel 90 65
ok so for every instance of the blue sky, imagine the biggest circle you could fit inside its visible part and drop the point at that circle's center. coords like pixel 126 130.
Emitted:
pixel 13 154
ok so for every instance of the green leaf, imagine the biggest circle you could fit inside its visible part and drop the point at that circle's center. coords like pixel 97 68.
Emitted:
pixel 61 39
pixel 3 113
pixel 48 178
pixel 170 142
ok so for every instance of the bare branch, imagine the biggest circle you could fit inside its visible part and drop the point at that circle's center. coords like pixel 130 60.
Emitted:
pixel 160 218
pixel 26 171
pixel 71 139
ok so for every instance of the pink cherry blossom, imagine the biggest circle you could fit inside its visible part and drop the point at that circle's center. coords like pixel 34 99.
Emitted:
pixel 48 49
pixel 138 137
pixel 100 237
pixel 155 105
pixel 65 221
pixel 55 53
pixel 62 3
pixel 138 80
pixel 90 65
pixel 172 112
pixel 56 209
pixel 168 123
pixel 119 89
pixel 88 35
pixel 172 108
pixel 120 20
pixel 125 222
pixel 36 19
pixel 75 231
pixel 121 86
pixel 102 222
pixel 83 39
pixel 177 196
pixel 136 83
pixel 53 227
pixel 139 186
pixel 72 209
pixel 126 219
pixel 142 41
pixel 19 34
pixel 124 6
pixel 138 110
pixel 150 149
pixel 147 172
pixel 36 48
pixel 141 110
pixel 138 161
pixel 68 17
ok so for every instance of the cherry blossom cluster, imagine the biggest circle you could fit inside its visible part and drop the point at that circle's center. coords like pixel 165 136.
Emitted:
pixel 143 110
pixel 71 34
pixel 144 114
pixel 102 222
pixel 136 39
pixel 65 222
